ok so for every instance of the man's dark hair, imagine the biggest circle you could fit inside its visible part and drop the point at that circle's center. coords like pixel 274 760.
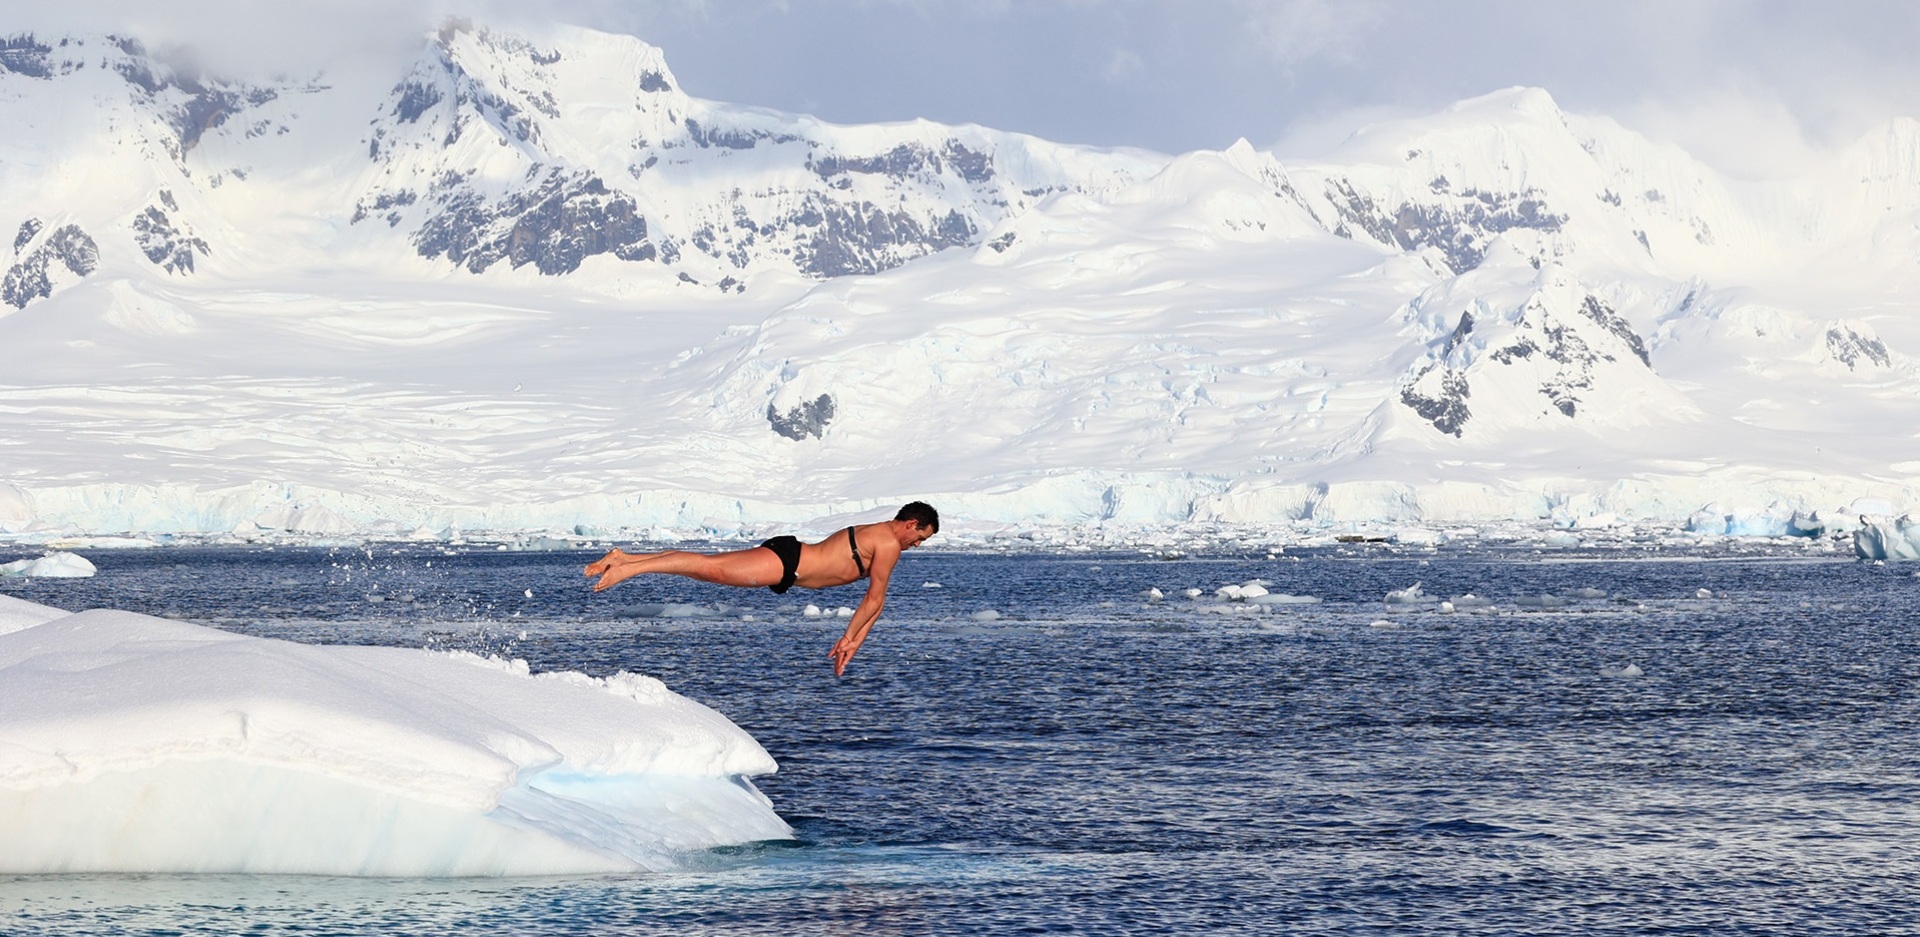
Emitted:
pixel 921 513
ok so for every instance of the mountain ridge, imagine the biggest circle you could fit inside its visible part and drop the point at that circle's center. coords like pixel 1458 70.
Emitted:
pixel 1498 310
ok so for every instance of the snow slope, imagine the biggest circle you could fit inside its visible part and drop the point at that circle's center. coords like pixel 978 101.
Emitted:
pixel 136 744
pixel 539 286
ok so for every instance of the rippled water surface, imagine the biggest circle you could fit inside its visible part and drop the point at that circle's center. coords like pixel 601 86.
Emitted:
pixel 1650 761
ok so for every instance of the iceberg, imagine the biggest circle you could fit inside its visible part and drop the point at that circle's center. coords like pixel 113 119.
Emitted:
pixel 57 565
pixel 1881 538
pixel 130 743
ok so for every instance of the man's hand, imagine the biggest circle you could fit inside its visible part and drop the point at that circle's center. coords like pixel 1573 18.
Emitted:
pixel 843 649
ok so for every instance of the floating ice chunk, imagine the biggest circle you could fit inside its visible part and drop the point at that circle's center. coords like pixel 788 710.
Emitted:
pixel 1703 594
pixel 1469 600
pixel 1446 607
pixel 1281 598
pixel 1242 592
pixel 1232 608
pixel 985 614
pixel 1418 537
pixel 843 612
pixel 210 751
pixel 60 565
pixel 670 610
pixel 1773 521
pixel 1561 538
pixel 1384 624
pixel 1154 594
pixel 1409 596
pixel 812 611
pixel 1193 593
pixel 1540 601
pixel 931 585
pixel 1586 592
pixel 1881 538
pixel 1628 671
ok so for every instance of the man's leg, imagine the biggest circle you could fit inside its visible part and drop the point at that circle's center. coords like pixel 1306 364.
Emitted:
pixel 744 568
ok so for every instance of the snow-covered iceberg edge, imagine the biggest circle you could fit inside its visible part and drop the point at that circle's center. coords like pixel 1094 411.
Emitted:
pixel 1883 538
pixel 136 744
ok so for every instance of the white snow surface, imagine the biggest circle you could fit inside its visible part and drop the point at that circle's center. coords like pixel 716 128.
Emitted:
pixel 1500 312
pixel 136 744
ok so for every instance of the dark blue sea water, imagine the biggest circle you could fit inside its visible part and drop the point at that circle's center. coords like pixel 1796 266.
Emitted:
pixel 1092 763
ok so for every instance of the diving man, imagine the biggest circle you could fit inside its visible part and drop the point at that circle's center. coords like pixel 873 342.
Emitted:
pixel 866 551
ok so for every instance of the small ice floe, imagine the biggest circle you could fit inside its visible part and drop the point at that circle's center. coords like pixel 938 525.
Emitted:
pixel 61 565
pixel 1242 592
pixel 1469 600
pixel 1446 607
pixel 1540 601
pixel 528 593
pixel 843 612
pixel 1418 537
pixel 1193 593
pixel 1232 608
pixel 1561 538
pixel 1281 598
pixel 1586 592
pixel 1627 671
pixel 985 614
pixel 931 585
pixel 1703 594
pixel 1384 625
pixel 1411 595
pixel 812 611
pixel 1154 595
pixel 670 610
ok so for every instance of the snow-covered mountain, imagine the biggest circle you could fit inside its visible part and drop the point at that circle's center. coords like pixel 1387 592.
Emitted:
pixel 539 285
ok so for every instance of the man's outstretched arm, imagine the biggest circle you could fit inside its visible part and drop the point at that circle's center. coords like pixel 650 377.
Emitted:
pixel 869 611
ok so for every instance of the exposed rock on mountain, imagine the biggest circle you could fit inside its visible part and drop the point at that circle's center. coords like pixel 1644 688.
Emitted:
pixel 1554 349
pixel 808 418
pixel 1856 351
pixel 555 226
pixel 171 247
pixel 1460 225
pixel 33 276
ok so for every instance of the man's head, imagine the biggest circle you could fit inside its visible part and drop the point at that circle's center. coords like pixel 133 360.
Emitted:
pixel 922 515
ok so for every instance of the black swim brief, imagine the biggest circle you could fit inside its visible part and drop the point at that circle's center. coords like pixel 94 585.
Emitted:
pixel 788 550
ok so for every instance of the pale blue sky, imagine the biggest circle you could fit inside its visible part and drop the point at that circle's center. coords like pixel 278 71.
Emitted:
pixel 1750 85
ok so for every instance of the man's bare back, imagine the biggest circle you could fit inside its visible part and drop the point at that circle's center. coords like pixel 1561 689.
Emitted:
pixel 869 550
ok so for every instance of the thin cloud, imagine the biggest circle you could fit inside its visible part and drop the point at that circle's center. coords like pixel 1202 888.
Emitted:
pixel 1297 32
pixel 1754 86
